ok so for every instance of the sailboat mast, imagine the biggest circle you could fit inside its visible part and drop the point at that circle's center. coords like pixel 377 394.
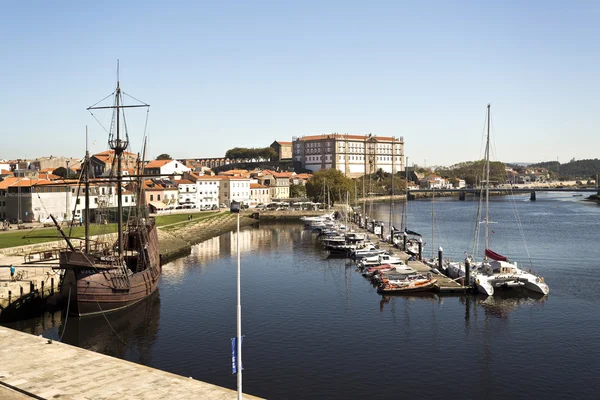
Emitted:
pixel 487 179
pixel 391 203
pixel 86 171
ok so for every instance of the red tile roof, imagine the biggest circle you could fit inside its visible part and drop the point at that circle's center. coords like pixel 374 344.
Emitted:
pixel 258 186
pixel 345 136
pixel 157 163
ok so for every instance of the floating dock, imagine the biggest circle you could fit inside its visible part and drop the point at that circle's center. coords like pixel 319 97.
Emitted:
pixel 444 283
pixel 42 368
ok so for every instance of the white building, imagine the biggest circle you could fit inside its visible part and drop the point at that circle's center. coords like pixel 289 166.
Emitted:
pixel 234 189
pixel 188 192
pixel 208 191
pixel 172 168
pixel 259 194
pixel 354 155
pixel 33 200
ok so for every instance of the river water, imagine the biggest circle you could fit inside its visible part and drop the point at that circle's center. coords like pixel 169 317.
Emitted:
pixel 315 328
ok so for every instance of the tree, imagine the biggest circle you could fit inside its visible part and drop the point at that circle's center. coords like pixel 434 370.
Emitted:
pixel 329 184
pixel 63 172
pixel 164 156
pixel 297 191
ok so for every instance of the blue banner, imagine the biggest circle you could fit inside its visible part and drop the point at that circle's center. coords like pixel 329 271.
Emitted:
pixel 234 355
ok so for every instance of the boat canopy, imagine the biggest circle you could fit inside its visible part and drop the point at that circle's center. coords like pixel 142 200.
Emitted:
pixel 495 256
pixel 409 232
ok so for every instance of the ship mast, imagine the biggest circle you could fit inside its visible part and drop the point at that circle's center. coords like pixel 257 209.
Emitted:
pixel 119 145
pixel 487 180
pixel 87 193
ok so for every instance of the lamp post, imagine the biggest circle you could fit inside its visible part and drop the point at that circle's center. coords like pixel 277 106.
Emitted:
pixel 235 208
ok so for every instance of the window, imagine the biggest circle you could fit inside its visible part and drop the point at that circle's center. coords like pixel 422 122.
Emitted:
pixel 151 197
pixel 158 197
pixel 126 199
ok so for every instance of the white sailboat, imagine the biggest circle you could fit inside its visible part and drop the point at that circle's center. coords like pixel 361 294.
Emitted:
pixel 496 271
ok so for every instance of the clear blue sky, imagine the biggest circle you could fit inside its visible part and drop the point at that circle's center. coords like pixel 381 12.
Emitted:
pixel 222 74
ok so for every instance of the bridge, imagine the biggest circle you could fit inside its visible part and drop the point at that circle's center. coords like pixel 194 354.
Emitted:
pixel 462 192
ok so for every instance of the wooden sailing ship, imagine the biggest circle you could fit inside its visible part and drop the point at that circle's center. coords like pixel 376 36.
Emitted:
pixel 114 277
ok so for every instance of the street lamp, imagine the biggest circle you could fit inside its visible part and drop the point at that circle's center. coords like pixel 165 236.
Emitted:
pixel 235 208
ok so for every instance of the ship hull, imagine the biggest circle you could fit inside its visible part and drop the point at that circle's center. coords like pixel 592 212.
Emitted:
pixel 94 288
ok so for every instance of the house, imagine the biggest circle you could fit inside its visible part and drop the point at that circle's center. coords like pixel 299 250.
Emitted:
pixel 32 200
pixel 458 183
pixel 234 189
pixel 278 183
pixel 52 162
pixel 283 150
pixel 102 163
pixel 259 194
pixel 161 193
pixel 208 191
pixel 433 181
pixel 188 193
pixel 172 168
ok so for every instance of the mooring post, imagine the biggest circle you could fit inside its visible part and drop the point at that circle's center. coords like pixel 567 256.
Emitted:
pixel 532 197
pixel 42 290
pixel 420 242
pixel 9 296
pixel 467 272
pixel 30 286
pixel 392 235
pixel 52 286
pixel 440 251
pixel 404 239
pixel 21 290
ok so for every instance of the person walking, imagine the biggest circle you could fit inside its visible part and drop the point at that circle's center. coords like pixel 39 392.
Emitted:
pixel 12 272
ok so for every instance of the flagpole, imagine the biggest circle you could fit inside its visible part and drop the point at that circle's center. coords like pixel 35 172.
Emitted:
pixel 235 207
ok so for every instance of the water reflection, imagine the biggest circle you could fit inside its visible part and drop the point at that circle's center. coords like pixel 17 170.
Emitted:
pixel 127 334
pixel 502 304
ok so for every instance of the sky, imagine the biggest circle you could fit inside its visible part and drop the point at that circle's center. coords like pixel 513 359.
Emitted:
pixel 225 74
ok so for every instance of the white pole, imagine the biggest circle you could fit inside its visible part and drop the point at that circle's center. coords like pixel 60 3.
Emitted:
pixel 239 316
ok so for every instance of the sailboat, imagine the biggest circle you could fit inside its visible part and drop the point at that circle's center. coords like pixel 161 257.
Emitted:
pixel 495 271
pixel 96 281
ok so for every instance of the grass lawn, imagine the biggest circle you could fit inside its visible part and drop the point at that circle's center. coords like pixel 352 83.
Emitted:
pixel 42 235
pixel 175 218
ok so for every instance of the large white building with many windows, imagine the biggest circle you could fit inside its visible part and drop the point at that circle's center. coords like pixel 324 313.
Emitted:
pixel 354 155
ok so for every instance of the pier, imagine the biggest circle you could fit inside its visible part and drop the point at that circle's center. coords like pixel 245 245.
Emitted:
pixel 33 282
pixel 42 368
pixel 444 283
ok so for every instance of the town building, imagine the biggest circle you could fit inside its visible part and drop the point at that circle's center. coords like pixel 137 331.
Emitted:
pixel 208 191
pixel 278 183
pixel 102 163
pixel 259 194
pixel 33 200
pixel 234 189
pixel 52 163
pixel 172 168
pixel 354 155
pixel 188 193
pixel 283 149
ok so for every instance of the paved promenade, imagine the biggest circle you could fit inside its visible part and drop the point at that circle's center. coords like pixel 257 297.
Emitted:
pixel 57 370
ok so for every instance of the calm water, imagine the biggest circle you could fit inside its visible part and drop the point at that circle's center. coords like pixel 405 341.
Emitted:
pixel 315 328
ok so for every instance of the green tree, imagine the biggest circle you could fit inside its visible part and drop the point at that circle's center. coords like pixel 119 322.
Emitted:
pixel 297 191
pixel 64 173
pixel 329 183
pixel 164 156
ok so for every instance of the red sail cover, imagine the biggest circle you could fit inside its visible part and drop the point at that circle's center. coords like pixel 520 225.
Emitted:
pixel 489 253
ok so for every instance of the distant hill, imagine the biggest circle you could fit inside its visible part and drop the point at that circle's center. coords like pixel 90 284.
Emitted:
pixel 575 169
